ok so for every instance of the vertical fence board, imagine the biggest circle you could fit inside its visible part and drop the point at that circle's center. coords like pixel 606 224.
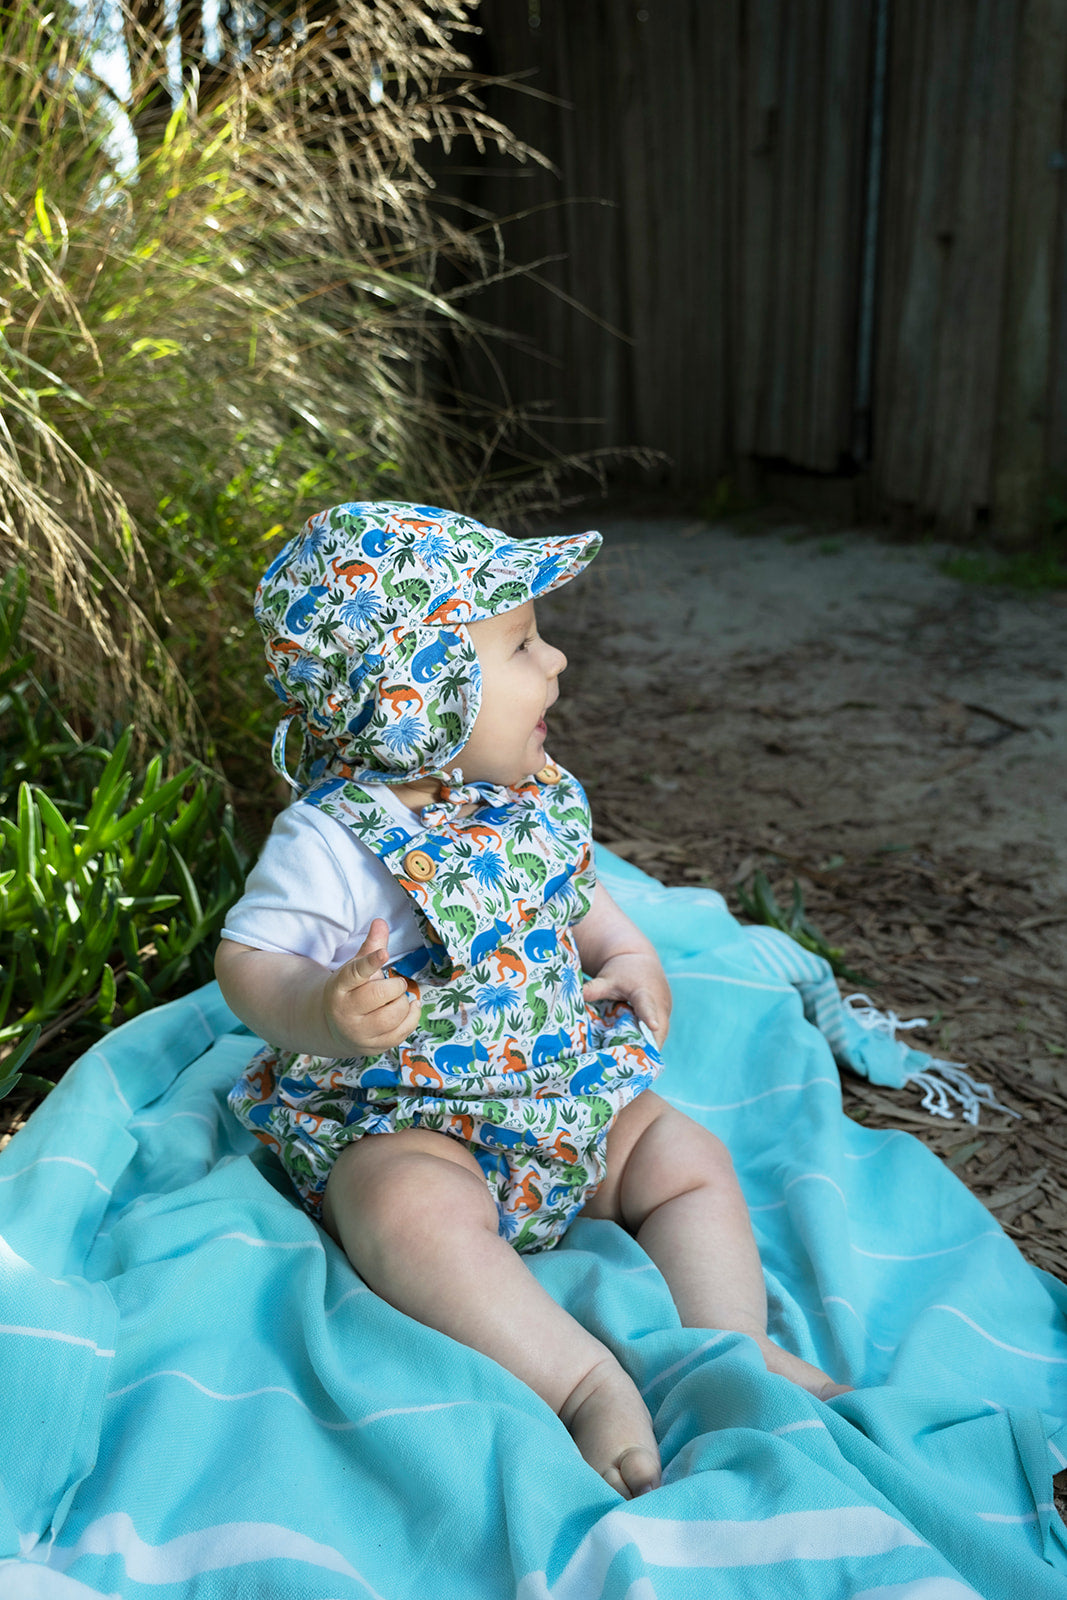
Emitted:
pixel 759 139
pixel 950 126
pixel 1057 441
pixel 1026 375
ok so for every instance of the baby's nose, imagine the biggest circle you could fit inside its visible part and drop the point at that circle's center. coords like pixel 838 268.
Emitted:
pixel 559 663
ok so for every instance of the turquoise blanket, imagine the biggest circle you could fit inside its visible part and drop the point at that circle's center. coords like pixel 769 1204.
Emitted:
pixel 203 1400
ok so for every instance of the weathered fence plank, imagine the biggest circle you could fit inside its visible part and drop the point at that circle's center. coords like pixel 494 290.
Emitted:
pixel 947 189
pixel 1027 376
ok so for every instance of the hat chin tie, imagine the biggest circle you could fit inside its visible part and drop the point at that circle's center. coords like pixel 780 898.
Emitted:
pixel 277 748
pixel 455 794
pixel 453 791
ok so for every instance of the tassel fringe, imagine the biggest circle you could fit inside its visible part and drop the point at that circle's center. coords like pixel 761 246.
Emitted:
pixel 942 1082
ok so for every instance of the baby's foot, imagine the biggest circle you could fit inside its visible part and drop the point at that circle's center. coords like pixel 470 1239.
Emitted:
pixel 610 1424
pixel 813 1379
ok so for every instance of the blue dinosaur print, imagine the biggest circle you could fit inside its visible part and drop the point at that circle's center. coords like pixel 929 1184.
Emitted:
pixel 488 941
pixel 505 1138
pixel 554 885
pixel 361 719
pixel 460 1058
pixel 432 658
pixel 541 944
pixel 301 613
pixel 591 1076
pixel 370 665
pixel 549 1045
pixel 379 1078
pixel 376 541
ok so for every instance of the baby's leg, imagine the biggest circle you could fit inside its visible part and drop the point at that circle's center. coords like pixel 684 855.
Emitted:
pixel 414 1215
pixel 672 1184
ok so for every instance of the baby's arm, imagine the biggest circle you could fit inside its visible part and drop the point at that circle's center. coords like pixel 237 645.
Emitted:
pixel 296 1004
pixel 623 962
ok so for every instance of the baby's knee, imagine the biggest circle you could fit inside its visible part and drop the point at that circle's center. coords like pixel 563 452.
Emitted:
pixel 693 1148
pixel 392 1189
pixel 675 1156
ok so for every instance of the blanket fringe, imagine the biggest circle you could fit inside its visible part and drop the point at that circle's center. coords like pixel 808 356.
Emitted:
pixel 942 1082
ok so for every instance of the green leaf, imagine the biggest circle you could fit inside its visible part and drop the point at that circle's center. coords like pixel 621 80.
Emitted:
pixel 128 944
pixel 41 212
pixel 185 881
pixel 26 963
pixel 105 1006
pixel 11 1064
pixel 57 952
pixel 190 815
pixel 148 806
pixel 151 778
pixel 29 834
pixel 39 1086
pixel 109 796
pixel 143 998
pixel 59 829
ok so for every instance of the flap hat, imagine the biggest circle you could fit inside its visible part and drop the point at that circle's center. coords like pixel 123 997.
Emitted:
pixel 364 615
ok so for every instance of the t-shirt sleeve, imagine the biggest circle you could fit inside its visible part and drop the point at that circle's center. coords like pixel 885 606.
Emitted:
pixel 315 891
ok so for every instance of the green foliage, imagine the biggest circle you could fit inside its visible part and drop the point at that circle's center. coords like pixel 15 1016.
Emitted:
pixel 759 904
pixel 1032 571
pixel 113 880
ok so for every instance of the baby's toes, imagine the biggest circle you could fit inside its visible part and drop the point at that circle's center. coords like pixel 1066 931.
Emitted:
pixel 634 1472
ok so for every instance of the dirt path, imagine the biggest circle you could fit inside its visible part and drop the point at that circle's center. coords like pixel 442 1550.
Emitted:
pixel 836 711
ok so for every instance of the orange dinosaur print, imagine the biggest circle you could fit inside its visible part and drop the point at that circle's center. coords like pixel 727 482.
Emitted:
pixel 420 1072
pixel 419 525
pixel 262 1080
pixel 448 612
pixel 401 698
pixel 350 572
pixel 508 964
pixel 527 1195
pixel 476 831
pixel 513 1058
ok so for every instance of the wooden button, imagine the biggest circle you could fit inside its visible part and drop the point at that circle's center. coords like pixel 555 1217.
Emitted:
pixel 549 774
pixel 420 866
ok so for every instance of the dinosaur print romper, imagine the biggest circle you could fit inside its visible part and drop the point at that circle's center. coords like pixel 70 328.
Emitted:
pixel 507 1056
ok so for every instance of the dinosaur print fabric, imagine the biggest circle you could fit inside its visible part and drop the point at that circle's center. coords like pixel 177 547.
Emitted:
pixel 507 1056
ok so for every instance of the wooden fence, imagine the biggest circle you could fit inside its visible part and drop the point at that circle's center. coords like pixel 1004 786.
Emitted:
pixel 824 235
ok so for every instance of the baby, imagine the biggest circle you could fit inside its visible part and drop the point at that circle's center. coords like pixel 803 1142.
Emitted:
pixel 412 943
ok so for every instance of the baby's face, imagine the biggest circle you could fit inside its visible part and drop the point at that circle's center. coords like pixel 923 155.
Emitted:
pixel 519 672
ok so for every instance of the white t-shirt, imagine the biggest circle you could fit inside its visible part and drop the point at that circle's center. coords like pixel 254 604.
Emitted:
pixel 316 889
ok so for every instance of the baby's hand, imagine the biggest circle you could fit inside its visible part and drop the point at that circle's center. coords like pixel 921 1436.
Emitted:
pixel 638 978
pixel 364 1011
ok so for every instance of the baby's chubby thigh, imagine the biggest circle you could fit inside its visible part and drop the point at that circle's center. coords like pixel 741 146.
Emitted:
pixel 655 1153
pixel 390 1194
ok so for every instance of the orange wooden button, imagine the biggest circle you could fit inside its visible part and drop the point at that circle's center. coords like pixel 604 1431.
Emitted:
pixel 420 866
pixel 549 774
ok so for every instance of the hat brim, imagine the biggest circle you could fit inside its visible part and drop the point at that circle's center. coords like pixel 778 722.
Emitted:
pixel 532 567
